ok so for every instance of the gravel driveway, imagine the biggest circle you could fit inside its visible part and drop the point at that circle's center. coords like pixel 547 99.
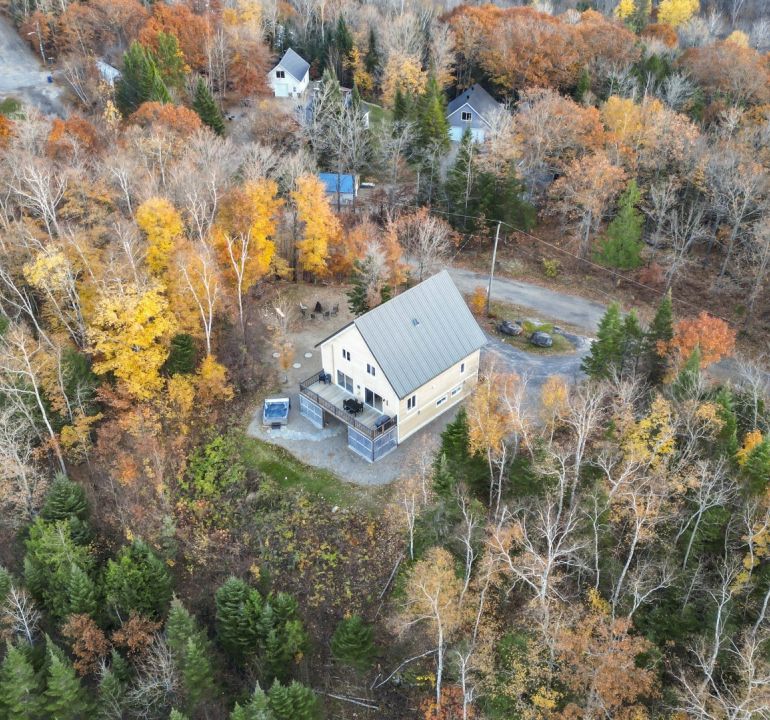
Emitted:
pixel 22 75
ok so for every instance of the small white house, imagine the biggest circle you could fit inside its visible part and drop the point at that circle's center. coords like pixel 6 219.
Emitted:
pixel 397 368
pixel 290 77
pixel 472 109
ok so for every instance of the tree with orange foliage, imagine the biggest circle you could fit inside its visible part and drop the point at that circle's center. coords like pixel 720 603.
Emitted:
pixel 191 30
pixel 586 192
pixel 450 707
pixel 711 335
pixel 175 118
pixel 6 131
pixel 597 658
pixel 99 25
pixel 71 137
pixel 89 644
pixel 320 225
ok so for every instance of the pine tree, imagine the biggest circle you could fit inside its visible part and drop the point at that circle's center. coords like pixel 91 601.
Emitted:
pixel 688 378
pixel 180 627
pixel 757 467
pixel 607 350
pixel 170 60
pixel 402 106
pixel 239 610
pixel 659 335
pixel 343 40
pixel 633 342
pixel 460 184
pixel 432 125
pixel 197 673
pixel 293 702
pixel 137 579
pixel 622 243
pixel 257 708
pixel 583 85
pixel 64 698
pixel 728 434
pixel 372 57
pixel 64 499
pixel 207 108
pixel 140 80
pixel 19 694
pixel 183 355
pixel 501 198
pixel 5 584
pixel 82 593
pixel 111 698
pixel 353 642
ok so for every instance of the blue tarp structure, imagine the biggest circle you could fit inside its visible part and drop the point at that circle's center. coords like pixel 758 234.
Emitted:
pixel 335 183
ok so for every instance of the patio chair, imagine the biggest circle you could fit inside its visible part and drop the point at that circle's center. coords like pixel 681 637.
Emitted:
pixel 303 309
pixel 318 307
pixel 327 314
pixel 335 309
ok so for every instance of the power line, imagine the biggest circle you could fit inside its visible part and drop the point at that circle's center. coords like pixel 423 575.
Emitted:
pixel 590 263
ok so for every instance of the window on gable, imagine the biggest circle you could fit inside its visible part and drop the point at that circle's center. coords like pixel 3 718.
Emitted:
pixel 411 402
pixel 345 354
pixel 370 370
pixel 280 74
pixel 466 116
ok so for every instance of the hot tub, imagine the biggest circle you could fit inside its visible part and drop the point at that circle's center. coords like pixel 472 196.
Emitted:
pixel 276 411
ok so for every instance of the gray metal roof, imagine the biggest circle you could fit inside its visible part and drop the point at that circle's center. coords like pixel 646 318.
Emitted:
pixel 417 335
pixel 294 64
pixel 478 98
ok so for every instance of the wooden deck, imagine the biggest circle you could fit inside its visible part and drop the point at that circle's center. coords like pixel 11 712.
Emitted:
pixel 336 395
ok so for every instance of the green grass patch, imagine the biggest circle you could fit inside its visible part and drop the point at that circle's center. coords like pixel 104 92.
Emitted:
pixel 501 311
pixel 290 474
pixel 10 107
pixel 378 114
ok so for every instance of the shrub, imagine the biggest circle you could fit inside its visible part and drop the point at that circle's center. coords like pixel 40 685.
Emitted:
pixel 551 267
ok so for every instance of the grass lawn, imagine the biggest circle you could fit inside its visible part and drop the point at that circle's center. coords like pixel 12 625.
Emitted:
pixel 289 473
pixel 9 107
pixel 378 114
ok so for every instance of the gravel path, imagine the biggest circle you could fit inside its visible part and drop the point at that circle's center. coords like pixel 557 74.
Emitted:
pixel 22 75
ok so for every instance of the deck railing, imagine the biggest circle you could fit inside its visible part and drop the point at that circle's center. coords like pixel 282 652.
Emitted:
pixel 340 413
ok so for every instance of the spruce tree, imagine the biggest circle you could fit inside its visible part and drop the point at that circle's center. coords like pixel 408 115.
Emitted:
pixel 257 708
pixel 659 335
pixel 728 434
pixel 583 85
pixel 687 380
pixel 633 342
pixel 183 355
pixel 207 108
pixel 622 244
pixel 5 584
pixel 64 697
pixel 353 642
pixel 432 125
pixel 19 693
pixel 372 57
pixel 757 467
pixel 500 197
pixel 137 579
pixel 83 597
pixel 110 702
pixel 460 184
pixel 140 80
pixel 607 350
pixel 180 627
pixel 64 499
pixel 402 106
pixel 197 673
pixel 170 60
pixel 342 38
pixel 238 613
pixel 293 702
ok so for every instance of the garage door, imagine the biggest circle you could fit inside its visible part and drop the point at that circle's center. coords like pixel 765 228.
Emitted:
pixel 456 134
pixel 281 89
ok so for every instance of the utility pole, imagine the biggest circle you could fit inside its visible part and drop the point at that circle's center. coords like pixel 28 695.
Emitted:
pixel 492 269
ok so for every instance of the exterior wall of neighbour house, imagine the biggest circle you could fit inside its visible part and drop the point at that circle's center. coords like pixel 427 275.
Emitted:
pixel 426 409
pixel 457 125
pixel 288 86
pixel 332 360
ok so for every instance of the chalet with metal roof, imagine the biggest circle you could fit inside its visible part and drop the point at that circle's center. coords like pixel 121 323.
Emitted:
pixel 393 370
pixel 471 109
pixel 290 77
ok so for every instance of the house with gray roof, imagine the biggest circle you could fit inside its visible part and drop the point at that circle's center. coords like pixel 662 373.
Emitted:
pixel 473 108
pixel 290 77
pixel 393 370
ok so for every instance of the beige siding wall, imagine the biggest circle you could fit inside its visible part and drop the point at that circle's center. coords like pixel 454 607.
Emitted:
pixel 332 360
pixel 426 409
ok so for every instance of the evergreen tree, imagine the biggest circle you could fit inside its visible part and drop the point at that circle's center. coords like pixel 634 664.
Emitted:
pixel 728 434
pixel 432 125
pixel 111 696
pixel 207 108
pixel 688 378
pixel 5 584
pixel 659 335
pixel 64 499
pixel 359 293
pixel 402 106
pixel 293 702
pixel 456 458
pixel 353 642
pixel 757 467
pixel 64 698
pixel 372 57
pixel 180 627
pixel 633 342
pixel 460 183
pixel 355 97
pixel 176 715
pixel 257 708
pixel 501 198
pixel 137 579
pixel 140 80
pixel 82 593
pixel 622 243
pixel 170 60
pixel 197 673
pixel 238 610
pixel 343 40
pixel 183 355
pixel 583 85
pixel 19 694
pixel 607 350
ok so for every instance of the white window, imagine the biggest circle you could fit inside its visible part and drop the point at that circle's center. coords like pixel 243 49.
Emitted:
pixel 462 368
pixel 466 116
pixel 344 381
pixel 441 401
pixel 456 390
pixel 370 369
pixel 280 74
pixel 345 354
pixel 411 403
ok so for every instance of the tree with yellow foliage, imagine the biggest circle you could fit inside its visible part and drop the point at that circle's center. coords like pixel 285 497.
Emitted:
pixel 402 72
pixel 320 225
pixel 362 79
pixel 244 234
pixel 162 226
pixel 201 282
pixel 128 336
pixel 676 12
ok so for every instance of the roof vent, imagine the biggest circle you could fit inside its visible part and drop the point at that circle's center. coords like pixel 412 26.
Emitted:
pixel 415 322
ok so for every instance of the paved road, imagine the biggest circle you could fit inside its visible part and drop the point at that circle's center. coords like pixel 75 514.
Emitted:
pixel 556 305
pixel 22 75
